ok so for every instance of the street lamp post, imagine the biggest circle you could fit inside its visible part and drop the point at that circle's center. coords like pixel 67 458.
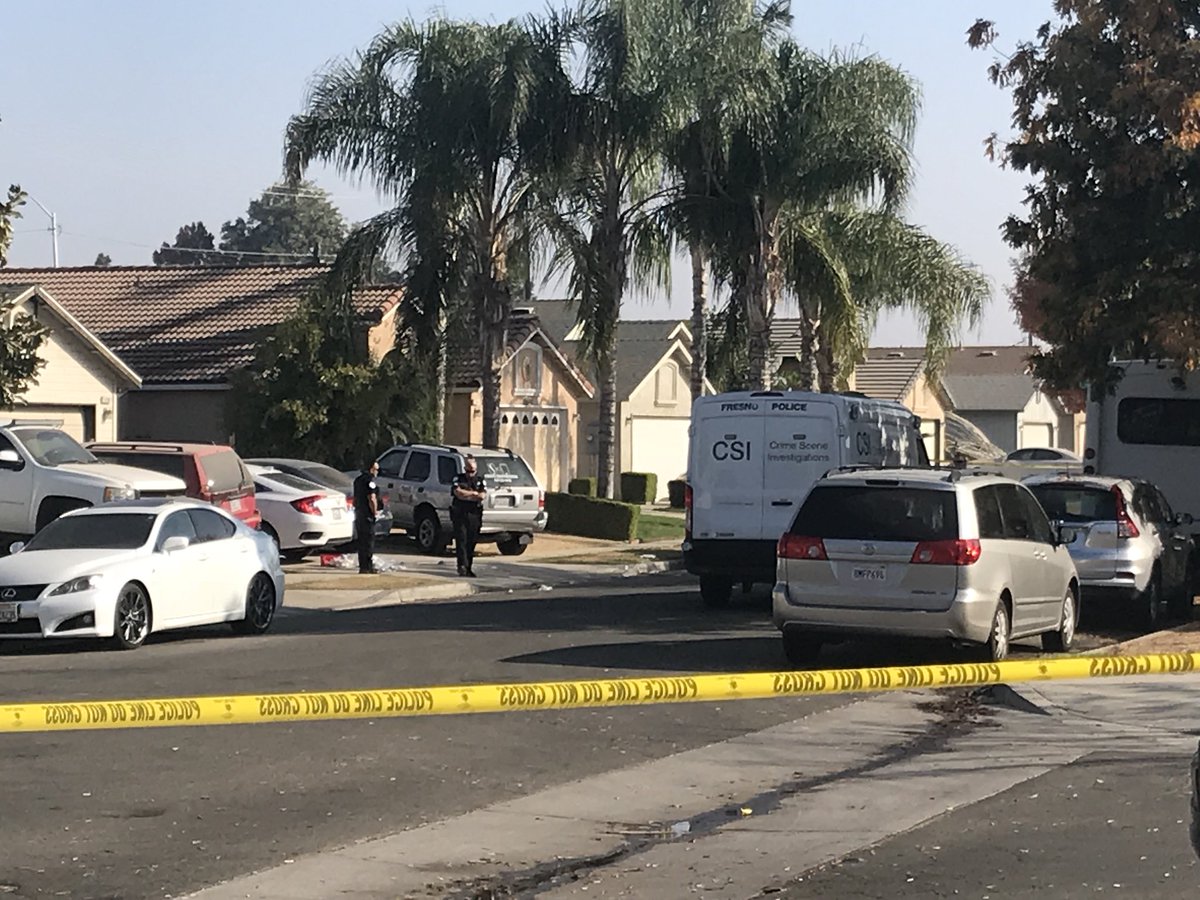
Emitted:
pixel 53 226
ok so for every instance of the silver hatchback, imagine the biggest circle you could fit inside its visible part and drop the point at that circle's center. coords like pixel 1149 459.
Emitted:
pixel 1129 547
pixel 929 554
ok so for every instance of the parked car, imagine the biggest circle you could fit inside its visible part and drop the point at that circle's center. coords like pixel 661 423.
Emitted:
pixel 213 473
pixel 1129 547
pixel 331 478
pixel 44 472
pixel 417 477
pixel 126 570
pixel 1049 455
pixel 928 554
pixel 300 515
pixel 752 457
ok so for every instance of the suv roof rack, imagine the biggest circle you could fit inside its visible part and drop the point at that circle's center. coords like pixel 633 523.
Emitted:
pixel 134 445
pixel 872 467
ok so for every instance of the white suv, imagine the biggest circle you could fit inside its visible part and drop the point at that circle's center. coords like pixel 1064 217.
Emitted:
pixel 44 472
pixel 962 556
pixel 417 478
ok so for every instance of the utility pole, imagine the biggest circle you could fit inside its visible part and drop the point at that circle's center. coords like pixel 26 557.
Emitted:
pixel 53 226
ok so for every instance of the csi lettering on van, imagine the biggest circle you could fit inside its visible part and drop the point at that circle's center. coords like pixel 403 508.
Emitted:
pixel 739 407
pixel 735 451
pixel 792 406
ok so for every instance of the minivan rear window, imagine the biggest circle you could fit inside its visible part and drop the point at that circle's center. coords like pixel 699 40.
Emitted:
pixel 860 512
pixel 224 469
pixel 1075 503
pixel 504 471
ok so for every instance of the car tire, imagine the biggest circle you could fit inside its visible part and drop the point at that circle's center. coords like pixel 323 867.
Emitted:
pixel 1061 640
pixel 260 606
pixel 995 649
pixel 715 592
pixel 511 547
pixel 133 617
pixel 801 648
pixel 428 533
pixel 1151 605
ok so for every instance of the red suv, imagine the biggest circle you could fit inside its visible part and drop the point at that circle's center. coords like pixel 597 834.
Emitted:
pixel 212 472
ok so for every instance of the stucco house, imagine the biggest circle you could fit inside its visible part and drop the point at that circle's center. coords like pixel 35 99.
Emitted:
pixel 82 382
pixel 179 332
pixel 898 373
pixel 541 392
pixel 654 400
pixel 994 388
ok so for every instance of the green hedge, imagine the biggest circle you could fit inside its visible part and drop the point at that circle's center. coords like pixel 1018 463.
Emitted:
pixel 639 487
pixel 675 492
pixel 584 487
pixel 587 517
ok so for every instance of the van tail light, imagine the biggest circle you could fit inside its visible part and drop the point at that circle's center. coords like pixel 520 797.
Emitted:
pixel 350 504
pixel 1126 527
pixel 794 546
pixel 687 508
pixel 947 553
pixel 307 506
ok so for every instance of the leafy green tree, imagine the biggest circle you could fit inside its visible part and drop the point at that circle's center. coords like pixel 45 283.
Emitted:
pixel 10 211
pixel 103 261
pixel 1106 111
pixel 21 336
pixel 313 392
pixel 194 246
pixel 287 224
pixel 453 120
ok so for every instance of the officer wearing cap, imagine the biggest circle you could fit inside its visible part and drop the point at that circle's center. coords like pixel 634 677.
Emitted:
pixel 366 508
pixel 466 513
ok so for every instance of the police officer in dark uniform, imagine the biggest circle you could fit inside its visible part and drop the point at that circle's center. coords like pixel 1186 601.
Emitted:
pixel 366 508
pixel 468 491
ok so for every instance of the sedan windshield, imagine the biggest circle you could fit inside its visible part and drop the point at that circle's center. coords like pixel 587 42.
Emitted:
pixel 51 447
pixel 1076 503
pixel 100 531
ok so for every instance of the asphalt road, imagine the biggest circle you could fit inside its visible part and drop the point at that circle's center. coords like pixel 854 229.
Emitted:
pixel 162 812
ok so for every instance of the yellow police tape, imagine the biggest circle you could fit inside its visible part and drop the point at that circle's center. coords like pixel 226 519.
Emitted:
pixel 481 698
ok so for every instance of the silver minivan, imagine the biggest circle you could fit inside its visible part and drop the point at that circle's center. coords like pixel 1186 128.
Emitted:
pixel 930 554
pixel 1130 548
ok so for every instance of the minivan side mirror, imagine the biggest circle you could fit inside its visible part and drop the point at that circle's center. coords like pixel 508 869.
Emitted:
pixel 16 547
pixel 1063 535
pixel 11 459
pixel 175 543
pixel 1184 519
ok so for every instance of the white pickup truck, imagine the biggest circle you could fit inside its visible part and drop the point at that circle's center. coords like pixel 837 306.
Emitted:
pixel 44 472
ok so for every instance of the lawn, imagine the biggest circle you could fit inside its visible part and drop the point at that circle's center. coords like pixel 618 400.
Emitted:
pixel 659 528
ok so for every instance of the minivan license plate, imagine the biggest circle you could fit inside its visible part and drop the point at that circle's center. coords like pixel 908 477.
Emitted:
pixel 8 612
pixel 869 573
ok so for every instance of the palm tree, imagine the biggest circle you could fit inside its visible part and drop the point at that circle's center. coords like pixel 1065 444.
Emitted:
pixel 450 121
pixel 848 264
pixel 607 228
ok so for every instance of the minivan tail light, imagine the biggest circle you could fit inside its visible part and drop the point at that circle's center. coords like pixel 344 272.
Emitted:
pixel 794 546
pixel 947 553
pixel 307 506
pixel 1126 527
pixel 541 499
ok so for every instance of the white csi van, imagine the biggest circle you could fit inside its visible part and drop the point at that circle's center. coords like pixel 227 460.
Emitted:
pixel 752 458
pixel 1148 427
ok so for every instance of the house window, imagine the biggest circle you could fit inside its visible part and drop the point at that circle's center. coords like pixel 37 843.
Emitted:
pixel 527 372
pixel 666 385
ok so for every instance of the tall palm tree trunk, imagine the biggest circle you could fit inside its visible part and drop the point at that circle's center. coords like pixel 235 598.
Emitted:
pixel 440 392
pixel 493 339
pixel 699 320
pixel 763 287
pixel 829 369
pixel 606 462
pixel 807 380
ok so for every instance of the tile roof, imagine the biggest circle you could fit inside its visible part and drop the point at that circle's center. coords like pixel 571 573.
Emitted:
pixel 989 378
pixel 188 324
pixel 889 373
pixel 465 366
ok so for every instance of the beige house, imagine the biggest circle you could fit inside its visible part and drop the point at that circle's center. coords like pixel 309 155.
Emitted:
pixel 541 393
pixel 184 330
pixel 898 373
pixel 82 382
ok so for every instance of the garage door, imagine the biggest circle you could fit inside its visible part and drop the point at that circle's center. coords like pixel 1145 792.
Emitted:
pixel 659 446
pixel 536 434
pixel 1037 434
pixel 73 419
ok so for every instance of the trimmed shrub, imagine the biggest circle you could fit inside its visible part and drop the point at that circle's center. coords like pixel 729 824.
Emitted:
pixel 675 492
pixel 639 487
pixel 584 487
pixel 588 517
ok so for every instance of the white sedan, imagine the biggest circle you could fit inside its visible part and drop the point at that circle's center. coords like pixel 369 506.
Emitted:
pixel 300 515
pixel 125 570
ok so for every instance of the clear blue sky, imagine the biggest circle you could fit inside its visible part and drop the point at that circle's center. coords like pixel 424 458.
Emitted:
pixel 128 119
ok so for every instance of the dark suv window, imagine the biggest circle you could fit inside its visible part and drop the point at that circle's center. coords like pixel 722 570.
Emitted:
pixel 505 471
pixel 864 512
pixel 447 469
pixel 1160 421
pixel 418 468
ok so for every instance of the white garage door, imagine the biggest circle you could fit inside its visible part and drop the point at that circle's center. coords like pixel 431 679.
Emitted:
pixel 536 434
pixel 72 419
pixel 659 446
pixel 1037 434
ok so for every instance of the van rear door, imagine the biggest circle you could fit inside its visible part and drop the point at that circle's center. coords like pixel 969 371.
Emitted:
pixel 800 444
pixel 725 470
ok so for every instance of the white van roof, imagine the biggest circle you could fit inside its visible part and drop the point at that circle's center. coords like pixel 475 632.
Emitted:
pixel 842 399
